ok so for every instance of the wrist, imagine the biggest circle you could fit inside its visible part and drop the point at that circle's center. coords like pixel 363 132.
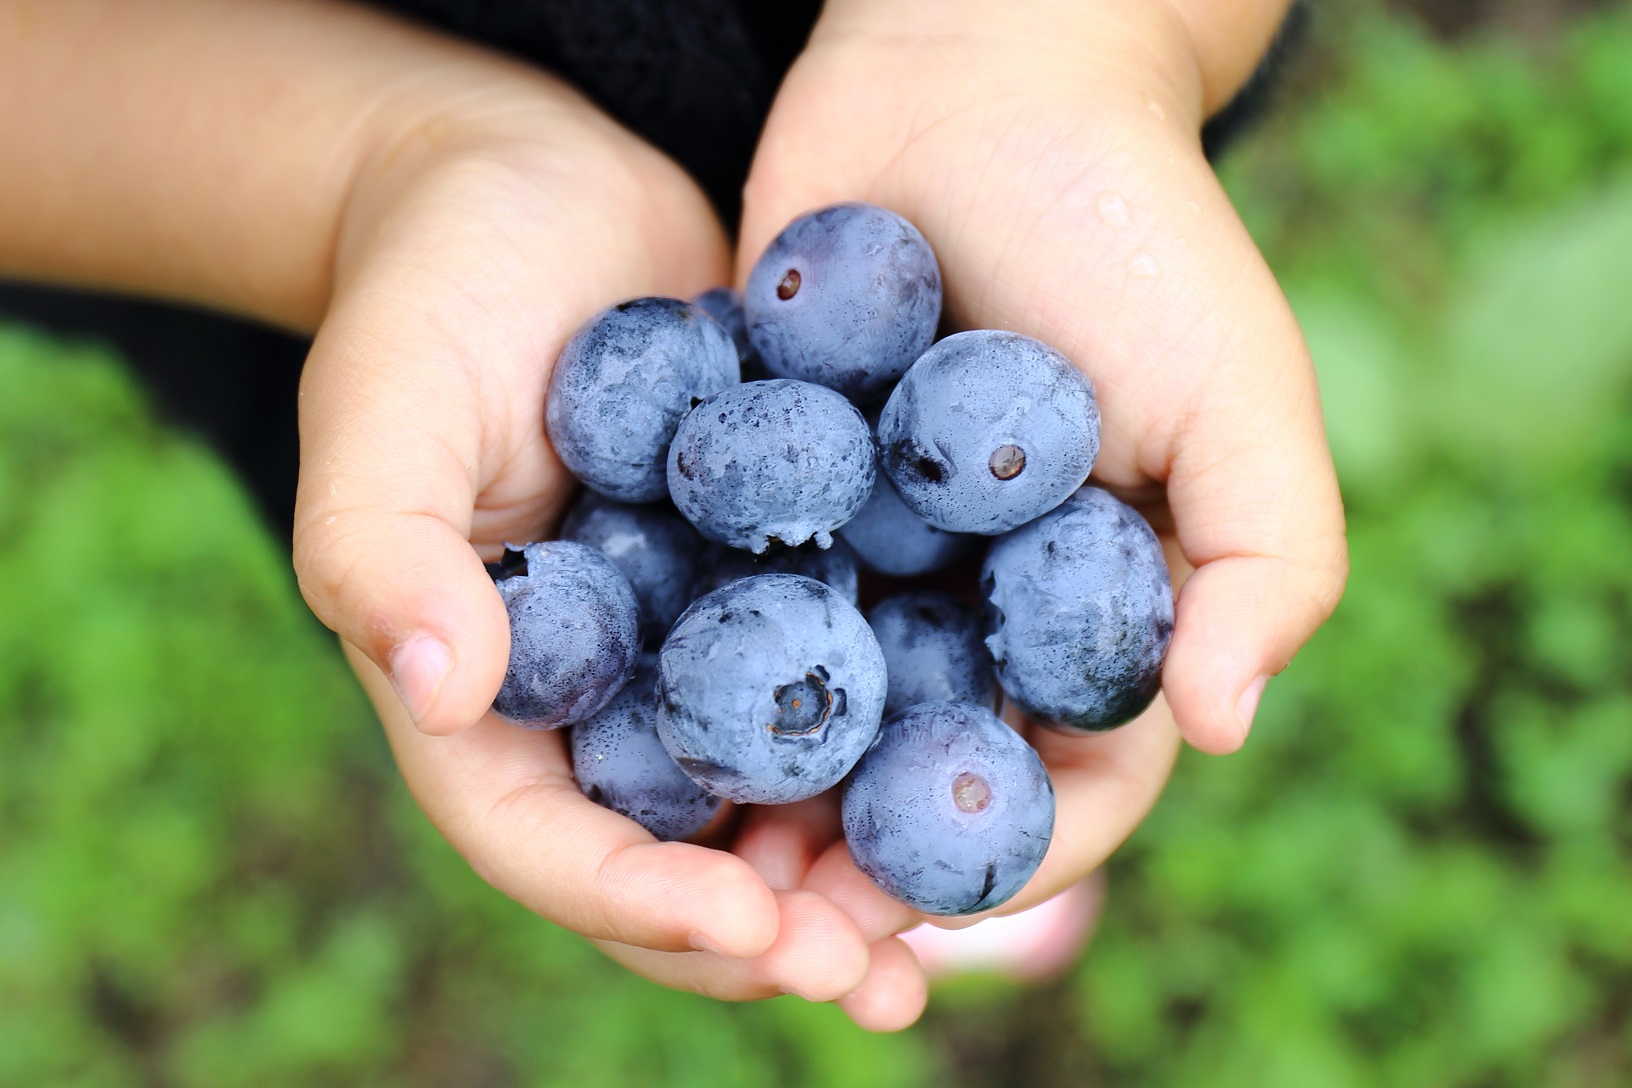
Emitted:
pixel 1228 39
pixel 456 122
pixel 1187 56
pixel 515 168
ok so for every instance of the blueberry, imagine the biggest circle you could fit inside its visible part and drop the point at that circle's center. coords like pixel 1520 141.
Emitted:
pixel 771 461
pixel 891 539
pixel 619 763
pixel 623 383
pixel 933 650
pixel 1079 613
pixel 835 567
pixel 950 811
pixel 651 545
pixel 846 296
pixel 770 689
pixel 724 304
pixel 574 633
pixel 987 431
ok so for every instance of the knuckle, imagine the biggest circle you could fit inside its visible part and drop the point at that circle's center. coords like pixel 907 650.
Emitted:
pixel 326 561
pixel 1331 575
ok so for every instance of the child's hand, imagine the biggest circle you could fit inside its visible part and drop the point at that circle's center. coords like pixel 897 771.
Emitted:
pixel 1050 154
pixel 470 248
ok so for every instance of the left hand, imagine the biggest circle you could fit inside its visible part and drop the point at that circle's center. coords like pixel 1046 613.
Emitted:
pixel 1050 154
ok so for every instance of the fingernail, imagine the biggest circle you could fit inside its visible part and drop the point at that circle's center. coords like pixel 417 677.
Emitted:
pixel 702 942
pixel 419 667
pixel 1247 705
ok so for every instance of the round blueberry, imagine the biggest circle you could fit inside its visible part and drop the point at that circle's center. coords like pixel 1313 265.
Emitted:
pixel 574 633
pixel 987 431
pixel 950 811
pixel 623 383
pixel 654 547
pixel 771 461
pixel 934 652
pixel 891 539
pixel 620 764
pixel 724 304
pixel 834 567
pixel 846 296
pixel 770 689
pixel 1079 613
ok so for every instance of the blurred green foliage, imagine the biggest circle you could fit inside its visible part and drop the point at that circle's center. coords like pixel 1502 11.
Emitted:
pixel 1418 873
pixel 1420 870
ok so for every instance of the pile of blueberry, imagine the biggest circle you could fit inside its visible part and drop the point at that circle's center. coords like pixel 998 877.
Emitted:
pixel 697 623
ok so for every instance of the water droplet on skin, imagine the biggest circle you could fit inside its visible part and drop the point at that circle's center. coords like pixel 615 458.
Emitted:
pixel 1113 210
pixel 1155 109
pixel 1144 266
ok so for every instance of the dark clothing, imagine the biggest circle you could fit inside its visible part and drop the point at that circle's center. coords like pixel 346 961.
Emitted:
pixel 694 77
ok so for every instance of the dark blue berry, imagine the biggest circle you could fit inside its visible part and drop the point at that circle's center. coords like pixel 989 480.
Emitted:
pixel 771 688
pixel 654 547
pixel 574 633
pixel 724 304
pixel 934 652
pixel 950 811
pixel 846 296
pixel 891 539
pixel 771 461
pixel 1079 613
pixel 623 383
pixel 835 567
pixel 987 431
pixel 619 763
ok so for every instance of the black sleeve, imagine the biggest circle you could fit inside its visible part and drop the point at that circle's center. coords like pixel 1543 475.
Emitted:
pixel 692 77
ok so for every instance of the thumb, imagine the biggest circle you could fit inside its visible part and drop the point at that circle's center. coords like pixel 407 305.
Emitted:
pixel 391 429
pixel 421 414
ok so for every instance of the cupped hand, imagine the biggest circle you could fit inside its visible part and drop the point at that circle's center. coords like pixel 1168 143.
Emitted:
pixel 472 246
pixel 1050 154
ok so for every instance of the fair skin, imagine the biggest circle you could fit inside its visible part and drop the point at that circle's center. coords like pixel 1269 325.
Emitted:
pixel 443 220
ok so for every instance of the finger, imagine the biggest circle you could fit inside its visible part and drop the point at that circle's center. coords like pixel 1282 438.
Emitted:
pixel 505 799
pixel 421 407
pixel 836 878
pixel 781 842
pixel 1264 527
pixel 389 477
pixel 818 955
pixel 893 995
pixel 1104 786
